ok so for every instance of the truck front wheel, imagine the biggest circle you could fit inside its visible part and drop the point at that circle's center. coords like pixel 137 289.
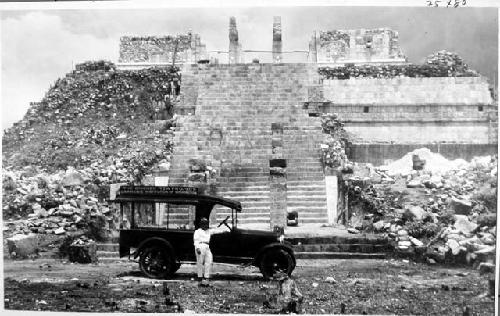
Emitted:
pixel 156 262
pixel 274 260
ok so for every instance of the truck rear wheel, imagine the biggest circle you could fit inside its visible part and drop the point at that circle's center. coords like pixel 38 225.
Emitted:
pixel 274 260
pixel 157 262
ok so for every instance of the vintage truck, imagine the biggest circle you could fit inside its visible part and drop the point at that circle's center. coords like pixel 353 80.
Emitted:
pixel 158 223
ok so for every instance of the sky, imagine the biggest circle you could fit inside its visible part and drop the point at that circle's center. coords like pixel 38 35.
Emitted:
pixel 40 46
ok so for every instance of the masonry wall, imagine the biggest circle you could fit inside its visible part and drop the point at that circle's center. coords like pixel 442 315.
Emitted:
pixel 152 49
pixel 414 110
pixel 380 154
pixel 408 91
pixel 420 132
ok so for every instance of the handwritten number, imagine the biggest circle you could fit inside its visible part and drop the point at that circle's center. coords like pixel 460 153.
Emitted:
pixel 456 4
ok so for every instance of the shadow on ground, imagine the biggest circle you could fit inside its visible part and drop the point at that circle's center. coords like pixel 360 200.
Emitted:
pixel 188 276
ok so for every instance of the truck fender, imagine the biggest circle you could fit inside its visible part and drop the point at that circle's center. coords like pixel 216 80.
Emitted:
pixel 154 241
pixel 284 246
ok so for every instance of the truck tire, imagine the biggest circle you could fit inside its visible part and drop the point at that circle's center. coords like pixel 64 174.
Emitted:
pixel 276 259
pixel 157 262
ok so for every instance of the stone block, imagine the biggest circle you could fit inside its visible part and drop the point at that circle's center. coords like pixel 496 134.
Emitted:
pixel 460 206
pixel 21 246
pixel 463 224
pixel 83 253
pixel 72 178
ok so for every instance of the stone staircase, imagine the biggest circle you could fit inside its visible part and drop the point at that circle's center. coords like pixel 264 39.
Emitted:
pixel 236 106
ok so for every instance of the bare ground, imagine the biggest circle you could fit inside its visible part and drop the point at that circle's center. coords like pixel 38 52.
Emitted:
pixel 362 286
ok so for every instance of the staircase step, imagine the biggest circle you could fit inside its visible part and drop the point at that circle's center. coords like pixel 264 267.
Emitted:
pixel 107 247
pixel 107 254
pixel 362 248
pixel 339 255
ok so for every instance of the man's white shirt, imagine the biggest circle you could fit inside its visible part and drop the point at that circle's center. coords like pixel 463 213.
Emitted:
pixel 201 237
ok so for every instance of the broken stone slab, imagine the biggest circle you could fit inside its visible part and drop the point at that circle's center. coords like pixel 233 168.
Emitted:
pixel 21 246
pixel 460 206
pixel 404 243
pixel 414 184
pixel 463 225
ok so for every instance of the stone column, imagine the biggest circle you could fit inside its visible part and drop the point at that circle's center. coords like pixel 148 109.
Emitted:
pixel 313 50
pixel 277 45
pixel 277 179
pixel 234 47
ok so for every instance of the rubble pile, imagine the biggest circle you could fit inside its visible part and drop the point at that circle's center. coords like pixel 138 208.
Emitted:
pixel 440 64
pixel 95 127
pixel 446 211
pixel 333 147
pixel 50 203
pixel 88 107
pixel 453 63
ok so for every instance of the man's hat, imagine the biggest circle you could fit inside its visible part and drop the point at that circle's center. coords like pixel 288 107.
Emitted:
pixel 203 220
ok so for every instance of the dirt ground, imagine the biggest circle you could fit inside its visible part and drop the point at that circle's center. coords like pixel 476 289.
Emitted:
pixel 359 286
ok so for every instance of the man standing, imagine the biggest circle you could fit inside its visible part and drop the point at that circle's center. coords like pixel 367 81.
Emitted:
pixel 203 254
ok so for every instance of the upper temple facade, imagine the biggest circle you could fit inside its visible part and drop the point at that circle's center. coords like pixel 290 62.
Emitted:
pixel 180 49
pixel 356 46
pixel 362 46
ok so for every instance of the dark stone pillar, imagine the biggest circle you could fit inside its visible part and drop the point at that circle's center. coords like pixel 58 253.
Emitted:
pixel 234 46
pixel 277 45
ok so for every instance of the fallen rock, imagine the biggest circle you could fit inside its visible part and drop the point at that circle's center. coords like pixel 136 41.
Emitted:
pixel 460 206
pixel 415 213
pixel 353 231
pixel 416 242
pixel 463 225
pixel 59 231
pixel 486 254
pixel 489 220
pixel 414 184
pixel 454 246
pixel 330 280
pixel 72 178
pixel 378 226
pixel 404 243
pixel 488 239
pixel 486 267
pixel 23 245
